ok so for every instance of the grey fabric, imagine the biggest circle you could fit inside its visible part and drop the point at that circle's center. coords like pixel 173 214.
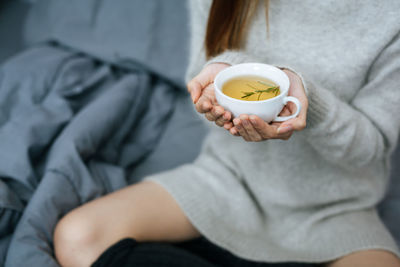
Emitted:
pixel 50 190
pixel 179 144
pixel 150 33
pixel 12 17
pixel 333 172
pixel 69 130
pixel 70 126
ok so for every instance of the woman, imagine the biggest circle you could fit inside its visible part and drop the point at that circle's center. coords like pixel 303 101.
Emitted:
pixel 310 198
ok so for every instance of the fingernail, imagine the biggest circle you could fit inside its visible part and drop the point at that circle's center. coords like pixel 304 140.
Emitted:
pixel 236 121
pixel 285 129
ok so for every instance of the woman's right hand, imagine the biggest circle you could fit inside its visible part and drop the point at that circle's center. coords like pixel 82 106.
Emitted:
pixel 201 89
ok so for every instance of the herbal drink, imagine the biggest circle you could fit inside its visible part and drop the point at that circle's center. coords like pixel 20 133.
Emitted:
pixel 256 81
pixel 250 88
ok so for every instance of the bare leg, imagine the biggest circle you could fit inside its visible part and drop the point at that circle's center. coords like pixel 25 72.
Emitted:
pixel 367 258
pixel 145 212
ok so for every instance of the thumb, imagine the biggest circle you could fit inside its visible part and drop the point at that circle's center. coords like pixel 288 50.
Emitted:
pixel 198 83
pixel 258 124
pixel 203 79
pixel 195 88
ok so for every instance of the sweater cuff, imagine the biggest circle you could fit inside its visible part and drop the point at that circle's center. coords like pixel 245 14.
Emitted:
pixel 318 106
pixel 232 57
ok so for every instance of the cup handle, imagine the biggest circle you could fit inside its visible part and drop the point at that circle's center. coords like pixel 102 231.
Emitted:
pixel 298 108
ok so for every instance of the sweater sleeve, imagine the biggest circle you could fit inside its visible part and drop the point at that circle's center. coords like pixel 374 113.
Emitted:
pixel 232 57
pixel 366 129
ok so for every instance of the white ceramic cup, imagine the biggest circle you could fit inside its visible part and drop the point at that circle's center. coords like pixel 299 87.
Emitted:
pixel 268 109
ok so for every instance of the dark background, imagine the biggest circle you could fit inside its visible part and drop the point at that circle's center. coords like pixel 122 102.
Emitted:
pixel 12 15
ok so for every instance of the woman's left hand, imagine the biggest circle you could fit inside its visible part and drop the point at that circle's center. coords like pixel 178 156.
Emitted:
pixel 254 129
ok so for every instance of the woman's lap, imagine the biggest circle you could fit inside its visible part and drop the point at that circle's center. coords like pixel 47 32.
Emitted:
pixel 154 219
pixel 198 252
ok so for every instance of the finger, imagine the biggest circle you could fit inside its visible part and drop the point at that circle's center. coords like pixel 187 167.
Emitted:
pixel 285 111
pixel 224 118
pixel 198 83
pixel 285 128
pixel 204 105
pixel 297 90
pixel 251 132
pixel 304 107
pixel 194 88
pixel 265 130
pixel 217 111
pixel 220 121
pixel 286 136
pixel 239 127
pixel 281 127
pixel 296 124
pixel 227 116
pixel 234 131
pixel 300 122
pixel 209 116
pixel 228 125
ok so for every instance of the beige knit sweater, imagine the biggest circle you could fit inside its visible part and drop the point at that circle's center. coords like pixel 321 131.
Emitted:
pixel 311 198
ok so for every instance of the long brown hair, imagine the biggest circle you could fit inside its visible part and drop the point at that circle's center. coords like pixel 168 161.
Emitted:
pixel 227 22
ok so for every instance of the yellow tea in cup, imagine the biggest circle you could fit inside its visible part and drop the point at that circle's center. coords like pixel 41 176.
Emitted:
pixel 250 88
pixel 256 81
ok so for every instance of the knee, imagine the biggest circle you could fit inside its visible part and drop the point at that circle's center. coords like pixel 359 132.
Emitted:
pixel 367 258
pixel 75 237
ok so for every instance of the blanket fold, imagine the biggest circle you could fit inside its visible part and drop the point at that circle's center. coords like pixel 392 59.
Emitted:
pixel 69 130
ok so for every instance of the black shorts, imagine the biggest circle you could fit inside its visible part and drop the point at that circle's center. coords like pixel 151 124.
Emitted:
pixel 195 253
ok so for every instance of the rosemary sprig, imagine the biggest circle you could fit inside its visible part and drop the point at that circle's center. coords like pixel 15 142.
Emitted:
pixel 247 94
pixel 274 89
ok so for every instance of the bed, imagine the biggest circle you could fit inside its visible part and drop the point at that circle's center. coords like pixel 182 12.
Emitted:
pixel 96 102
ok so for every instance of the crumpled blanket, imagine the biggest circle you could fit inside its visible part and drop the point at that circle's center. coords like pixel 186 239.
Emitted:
pixel 152 34
pixel 71 127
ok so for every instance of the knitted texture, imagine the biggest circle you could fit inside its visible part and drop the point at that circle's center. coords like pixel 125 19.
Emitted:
pixel 311 198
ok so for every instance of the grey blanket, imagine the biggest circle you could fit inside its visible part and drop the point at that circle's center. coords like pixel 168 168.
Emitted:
pixel 82 109
pixel 69 131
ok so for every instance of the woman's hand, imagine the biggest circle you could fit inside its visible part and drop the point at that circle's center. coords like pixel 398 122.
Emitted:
pixel 254 129
pixel 201 89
